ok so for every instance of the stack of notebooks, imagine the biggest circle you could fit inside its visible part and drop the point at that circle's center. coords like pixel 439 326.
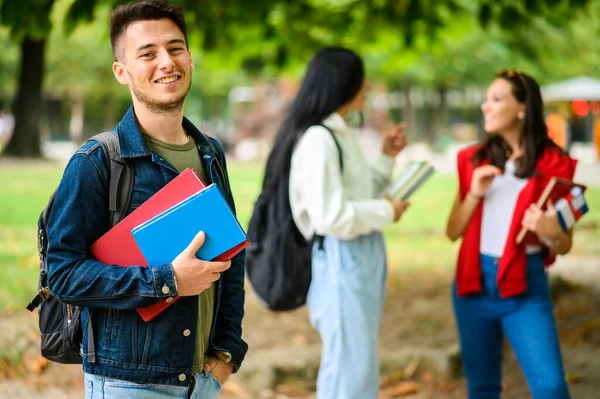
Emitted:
pixel 567 197
pixel 163 226
pixel 410 180
pixel 571 208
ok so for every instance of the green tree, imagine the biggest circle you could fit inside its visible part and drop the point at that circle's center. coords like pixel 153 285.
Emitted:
pixel 29 24
pixel 270 36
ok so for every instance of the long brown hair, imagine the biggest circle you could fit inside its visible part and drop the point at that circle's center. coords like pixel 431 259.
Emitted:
pixel 534 136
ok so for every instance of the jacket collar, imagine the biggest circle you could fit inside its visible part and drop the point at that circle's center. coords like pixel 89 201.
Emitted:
pixel 132 143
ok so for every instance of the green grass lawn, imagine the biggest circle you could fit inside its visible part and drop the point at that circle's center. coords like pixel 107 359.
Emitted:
pixel 416 243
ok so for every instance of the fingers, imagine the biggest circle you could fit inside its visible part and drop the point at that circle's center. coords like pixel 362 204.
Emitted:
pixel 196 243
pixel 210 364
pixel 550 207
pixel 531 217
pixel 489 171
pixel 218 267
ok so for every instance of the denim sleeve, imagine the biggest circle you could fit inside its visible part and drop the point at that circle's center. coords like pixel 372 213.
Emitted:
pixel 79 216
pixel 228 328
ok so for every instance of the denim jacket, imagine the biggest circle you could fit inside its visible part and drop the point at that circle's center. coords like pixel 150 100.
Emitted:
pixel 160 351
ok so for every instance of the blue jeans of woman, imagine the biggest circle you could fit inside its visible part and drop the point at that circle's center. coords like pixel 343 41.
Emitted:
pixel 526 320
pixel 345 303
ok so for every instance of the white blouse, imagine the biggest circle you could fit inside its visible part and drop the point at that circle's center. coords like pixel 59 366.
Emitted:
pixel 328 201
pixel 498 206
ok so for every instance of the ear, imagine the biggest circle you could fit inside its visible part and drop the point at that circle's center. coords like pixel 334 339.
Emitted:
pixel 191 61
pixel 521 114
pixel 120 73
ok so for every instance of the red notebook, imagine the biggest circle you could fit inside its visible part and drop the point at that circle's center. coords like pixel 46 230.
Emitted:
pixel 555 189
pixel 118 247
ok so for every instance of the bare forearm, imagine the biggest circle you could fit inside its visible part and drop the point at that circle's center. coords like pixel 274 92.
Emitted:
pixel 461 215
pixel 560 244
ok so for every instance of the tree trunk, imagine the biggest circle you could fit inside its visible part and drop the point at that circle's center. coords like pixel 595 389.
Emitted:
pixel 439 114
pixel 76 121
pixel 25 141
pixel 409 116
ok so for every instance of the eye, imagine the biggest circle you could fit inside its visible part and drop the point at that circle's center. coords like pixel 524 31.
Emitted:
pixel 146 55
pixel 176 49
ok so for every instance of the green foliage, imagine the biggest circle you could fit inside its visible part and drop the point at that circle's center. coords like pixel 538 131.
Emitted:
pixel 425 43
pixel 8 64
pixel 26 18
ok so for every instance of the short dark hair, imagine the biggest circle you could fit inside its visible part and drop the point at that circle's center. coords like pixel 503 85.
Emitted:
pixel 143 10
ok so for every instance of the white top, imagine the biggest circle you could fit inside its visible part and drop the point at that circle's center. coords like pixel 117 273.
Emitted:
pixel 498 206
pixel 327 202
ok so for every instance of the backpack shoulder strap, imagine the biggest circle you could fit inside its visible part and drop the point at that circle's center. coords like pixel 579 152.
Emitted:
pixel 337 144
pixel 319 238
pixel 120 176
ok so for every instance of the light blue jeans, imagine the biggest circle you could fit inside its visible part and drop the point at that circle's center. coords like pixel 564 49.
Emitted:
pixel 526 320
pixel 345 303
pixel 205 386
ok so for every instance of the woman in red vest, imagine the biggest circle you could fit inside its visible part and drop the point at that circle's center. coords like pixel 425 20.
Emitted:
pixel 501 288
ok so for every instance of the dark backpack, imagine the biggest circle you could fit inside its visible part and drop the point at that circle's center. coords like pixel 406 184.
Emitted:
pixel 278 260
pixel 60 324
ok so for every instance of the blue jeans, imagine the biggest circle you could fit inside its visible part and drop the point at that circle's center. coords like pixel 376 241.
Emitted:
pixel 527 322
pixel 204 386
pixel 345 303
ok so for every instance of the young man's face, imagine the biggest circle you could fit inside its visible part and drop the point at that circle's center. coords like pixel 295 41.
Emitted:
pixel 153 60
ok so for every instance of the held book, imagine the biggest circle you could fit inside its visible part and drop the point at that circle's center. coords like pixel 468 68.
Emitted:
pixel 118 247
pixel 571 208
pixel 555 189
pixel 410 180
pixel 166 235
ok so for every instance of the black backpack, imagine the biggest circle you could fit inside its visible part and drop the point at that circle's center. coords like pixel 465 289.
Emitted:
pixel 60 324
pixel 278 260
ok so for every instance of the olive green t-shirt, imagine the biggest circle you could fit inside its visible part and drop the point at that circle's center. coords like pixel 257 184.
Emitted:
pixel 183 156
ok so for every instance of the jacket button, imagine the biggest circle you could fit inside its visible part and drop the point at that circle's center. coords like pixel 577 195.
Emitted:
pixel 182 377
pixel 165 289
pixel 186 332
pixel 169 300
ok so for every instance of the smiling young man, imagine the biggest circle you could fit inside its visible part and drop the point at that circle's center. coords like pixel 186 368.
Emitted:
pixel 191 348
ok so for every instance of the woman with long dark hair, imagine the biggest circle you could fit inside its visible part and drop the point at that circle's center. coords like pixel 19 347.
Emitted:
pixel 501 288
pixel 341 200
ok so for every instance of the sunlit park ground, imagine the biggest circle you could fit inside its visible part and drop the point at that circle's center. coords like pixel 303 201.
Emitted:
pixel 418 312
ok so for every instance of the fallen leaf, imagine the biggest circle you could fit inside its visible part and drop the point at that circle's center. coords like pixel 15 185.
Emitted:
pixel 572 378
pixel 412 367
pixel 299 340
pixel 427 376
pixel 37 364
pixel 403 388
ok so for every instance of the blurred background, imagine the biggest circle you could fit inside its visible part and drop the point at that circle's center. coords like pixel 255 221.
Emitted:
pixel 429 63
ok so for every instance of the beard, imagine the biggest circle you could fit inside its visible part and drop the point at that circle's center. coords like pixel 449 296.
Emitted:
pixel 157 106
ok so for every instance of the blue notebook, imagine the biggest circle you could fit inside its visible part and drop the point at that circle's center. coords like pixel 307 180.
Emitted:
pixel 166 235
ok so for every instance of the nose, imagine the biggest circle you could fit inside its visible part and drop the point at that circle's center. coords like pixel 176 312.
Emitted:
pixel 164 60
pixel 484 107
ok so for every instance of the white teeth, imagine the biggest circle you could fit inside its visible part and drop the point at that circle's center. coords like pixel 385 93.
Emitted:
pixel 167 80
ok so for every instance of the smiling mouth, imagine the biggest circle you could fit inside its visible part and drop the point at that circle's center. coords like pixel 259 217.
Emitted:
pixel 168 80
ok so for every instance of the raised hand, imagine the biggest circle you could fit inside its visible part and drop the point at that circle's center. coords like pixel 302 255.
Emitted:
pixel 482 179
pixel 394 139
